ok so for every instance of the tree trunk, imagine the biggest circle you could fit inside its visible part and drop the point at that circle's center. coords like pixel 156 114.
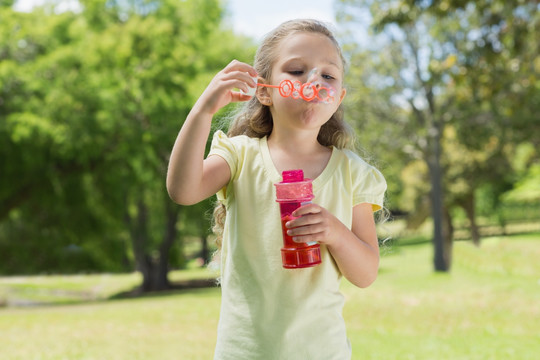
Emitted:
pixel 172 212
pixel 205 251
pixel 468 205
pixel 437 212
pixel 448 238
pixel 139 241
pixel 154 269
pixel 434 126
pixel 154 278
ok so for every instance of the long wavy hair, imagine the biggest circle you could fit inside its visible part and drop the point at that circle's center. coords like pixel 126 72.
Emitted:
pixel 255 120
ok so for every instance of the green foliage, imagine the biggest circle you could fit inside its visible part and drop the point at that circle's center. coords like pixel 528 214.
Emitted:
pixel 471 66
pixel 527 189
pixel 6 3
pixel 91 103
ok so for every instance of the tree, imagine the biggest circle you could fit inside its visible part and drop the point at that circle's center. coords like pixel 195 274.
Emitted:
pixel 94 101
pixel 435 65
pixel 158 63
pixel 47 113
pixel 401 79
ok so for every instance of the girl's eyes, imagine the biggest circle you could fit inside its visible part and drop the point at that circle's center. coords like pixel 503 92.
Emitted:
pixel 296 72
pixel 301 72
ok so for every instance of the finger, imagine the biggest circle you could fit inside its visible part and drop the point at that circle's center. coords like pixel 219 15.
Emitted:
pixel 231 84
pixel 318 237
pixel 238 80
pixel 305 230
pixel 240 96
pixel 236 65
pixel 307 209
pixel 240 75
pixel 304 220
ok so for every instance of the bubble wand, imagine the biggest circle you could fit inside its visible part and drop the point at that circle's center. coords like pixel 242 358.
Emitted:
pixel 306 91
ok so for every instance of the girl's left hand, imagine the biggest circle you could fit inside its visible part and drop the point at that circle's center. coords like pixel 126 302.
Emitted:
pixel 315 223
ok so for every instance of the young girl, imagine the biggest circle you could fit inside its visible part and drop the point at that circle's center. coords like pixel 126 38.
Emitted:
pixel 268 312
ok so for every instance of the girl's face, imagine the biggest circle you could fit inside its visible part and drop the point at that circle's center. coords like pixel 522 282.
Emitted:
pixel 306 57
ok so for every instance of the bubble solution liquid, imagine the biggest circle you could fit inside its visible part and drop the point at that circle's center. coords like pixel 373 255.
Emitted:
pixel 293 192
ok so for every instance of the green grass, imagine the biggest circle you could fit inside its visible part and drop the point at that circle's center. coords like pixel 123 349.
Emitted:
pixel 487 307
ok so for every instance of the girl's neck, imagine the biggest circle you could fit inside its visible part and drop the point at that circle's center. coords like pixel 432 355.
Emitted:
pixel 295 143
pixel 298 150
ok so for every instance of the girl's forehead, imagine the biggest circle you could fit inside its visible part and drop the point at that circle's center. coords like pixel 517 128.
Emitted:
pixel 306 45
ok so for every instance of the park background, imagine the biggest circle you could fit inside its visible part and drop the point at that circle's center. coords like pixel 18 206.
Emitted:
pixel 96 262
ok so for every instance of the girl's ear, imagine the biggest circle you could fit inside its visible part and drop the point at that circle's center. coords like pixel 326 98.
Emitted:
pixel 342 96
pixel 263 95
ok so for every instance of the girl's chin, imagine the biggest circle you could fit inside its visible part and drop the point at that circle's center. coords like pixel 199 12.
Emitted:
pixel 313 118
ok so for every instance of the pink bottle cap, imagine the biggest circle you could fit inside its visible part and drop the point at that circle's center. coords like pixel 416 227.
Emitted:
pixel 294 187
pixel 292 175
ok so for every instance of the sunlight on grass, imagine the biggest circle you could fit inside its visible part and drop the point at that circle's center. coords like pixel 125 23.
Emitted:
pixel 30 290
pixel 485 308
pixel 477 311
pixel 163 327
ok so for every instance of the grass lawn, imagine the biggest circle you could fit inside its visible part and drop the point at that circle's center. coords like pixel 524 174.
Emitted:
pixel 487 307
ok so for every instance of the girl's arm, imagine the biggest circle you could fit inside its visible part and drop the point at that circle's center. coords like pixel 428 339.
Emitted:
pixel 190 177
pixel 355 251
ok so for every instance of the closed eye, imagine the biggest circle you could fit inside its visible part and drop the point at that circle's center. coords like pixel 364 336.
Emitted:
pixel 296 72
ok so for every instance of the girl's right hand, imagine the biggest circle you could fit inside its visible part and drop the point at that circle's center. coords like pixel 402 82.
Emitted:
pixel 220 92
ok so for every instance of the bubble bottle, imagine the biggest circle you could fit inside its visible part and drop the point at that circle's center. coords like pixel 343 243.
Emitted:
pixel 293 192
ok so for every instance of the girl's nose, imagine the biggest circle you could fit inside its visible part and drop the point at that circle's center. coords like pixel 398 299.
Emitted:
pixel 313 76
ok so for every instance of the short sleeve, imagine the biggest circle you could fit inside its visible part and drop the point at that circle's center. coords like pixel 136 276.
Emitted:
pixel 371 189
pixel 223 146
pixel 368 183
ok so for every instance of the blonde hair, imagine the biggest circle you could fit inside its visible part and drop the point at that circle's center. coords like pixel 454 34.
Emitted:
pixel 255 120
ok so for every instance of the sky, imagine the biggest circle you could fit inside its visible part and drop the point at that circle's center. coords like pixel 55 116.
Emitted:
pixel 250 17
pixel 256 18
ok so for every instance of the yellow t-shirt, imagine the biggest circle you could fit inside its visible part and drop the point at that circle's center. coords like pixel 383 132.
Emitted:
pixel 268 312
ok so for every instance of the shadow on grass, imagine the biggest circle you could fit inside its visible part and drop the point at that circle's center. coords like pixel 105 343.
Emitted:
pixel 175 288
pixel 85 297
